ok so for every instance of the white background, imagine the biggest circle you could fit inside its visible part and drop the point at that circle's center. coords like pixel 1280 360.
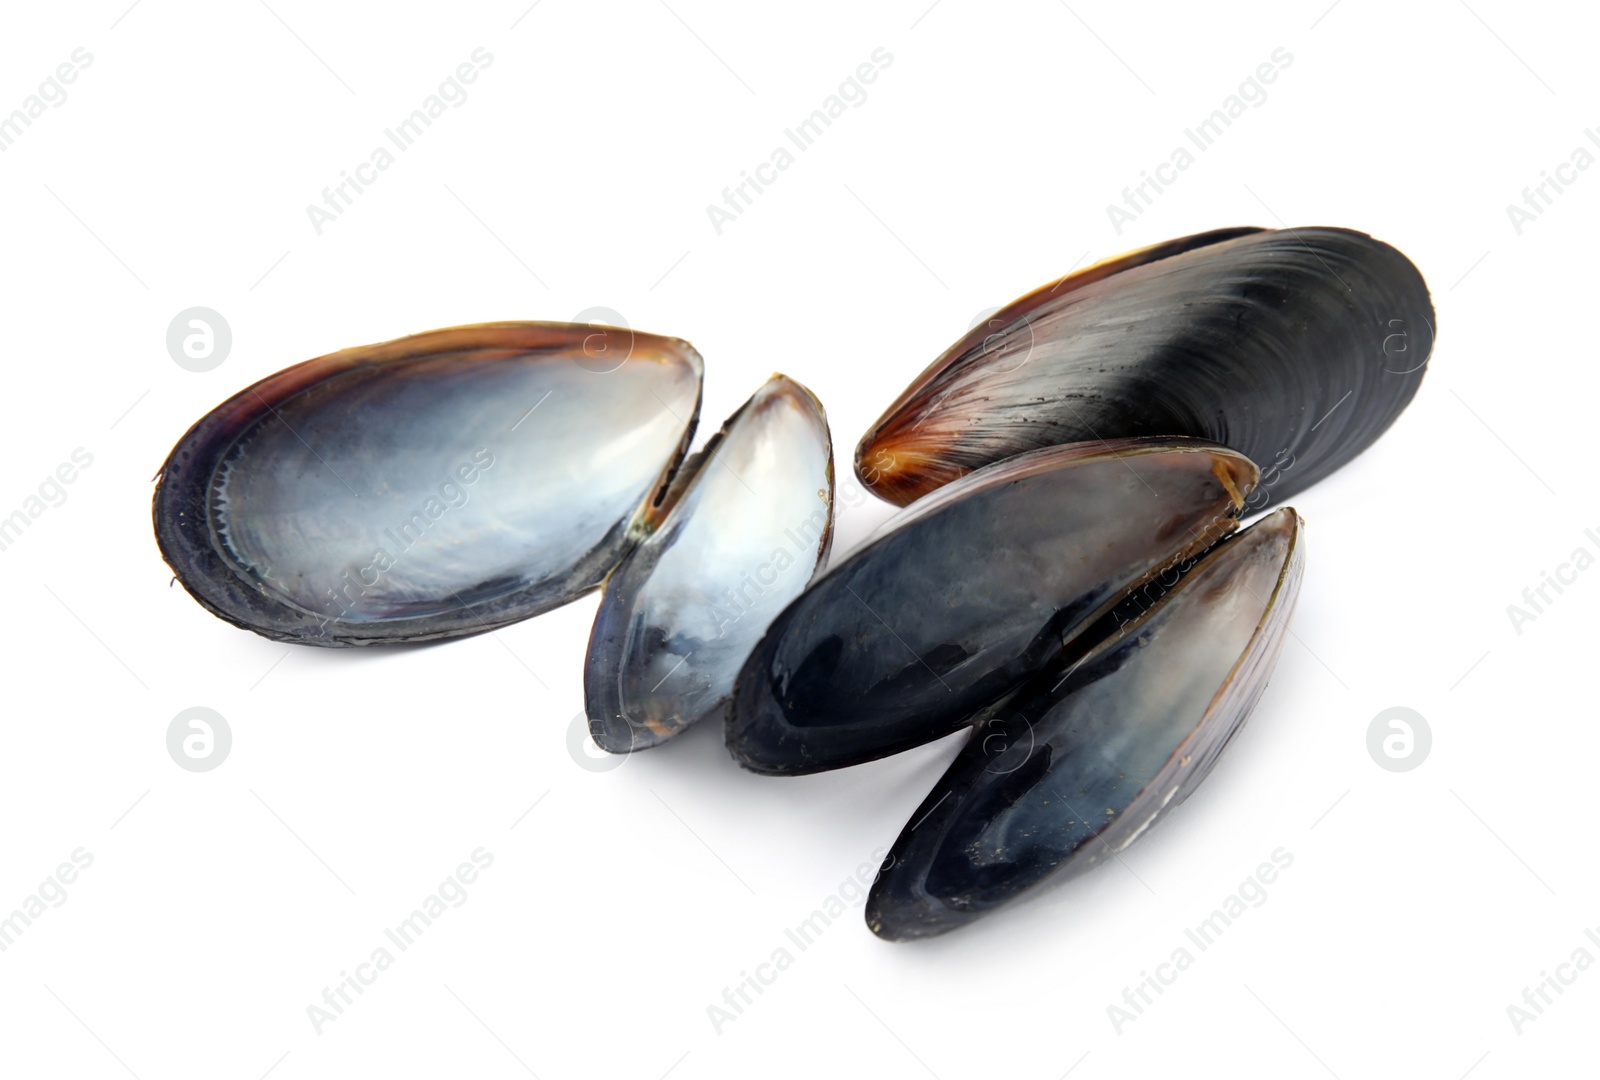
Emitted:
pixel 219 905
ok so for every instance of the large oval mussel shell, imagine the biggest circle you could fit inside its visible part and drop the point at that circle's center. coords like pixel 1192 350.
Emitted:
pixel 436 485
pixel 1076 763
pixel 1296 347
pixel 971 591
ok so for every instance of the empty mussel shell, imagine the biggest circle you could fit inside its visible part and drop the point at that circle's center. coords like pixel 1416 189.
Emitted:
pixel 746 523
pixel 1296 347
pixel 428 487
pixel 1074 765
pixel 971 591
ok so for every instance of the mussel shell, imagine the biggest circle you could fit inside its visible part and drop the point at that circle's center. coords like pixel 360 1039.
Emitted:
pixel 1296 347
pixel 1071 767
pixel 969 592
pixel 746 524
pixel 436 485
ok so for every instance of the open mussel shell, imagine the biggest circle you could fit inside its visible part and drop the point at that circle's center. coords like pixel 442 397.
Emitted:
pixel 428 487
pixel 1074 765
pixel 745 525
pixel 1296 347
pixel 971 591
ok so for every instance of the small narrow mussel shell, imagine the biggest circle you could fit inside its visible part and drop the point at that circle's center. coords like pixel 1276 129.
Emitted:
pixel 428 487
pixel 1296 347
pixel 748 521
pixel 1074 765
pixel 968 593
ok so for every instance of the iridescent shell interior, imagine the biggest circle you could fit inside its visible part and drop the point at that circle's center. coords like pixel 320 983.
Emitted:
pixel 436 485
